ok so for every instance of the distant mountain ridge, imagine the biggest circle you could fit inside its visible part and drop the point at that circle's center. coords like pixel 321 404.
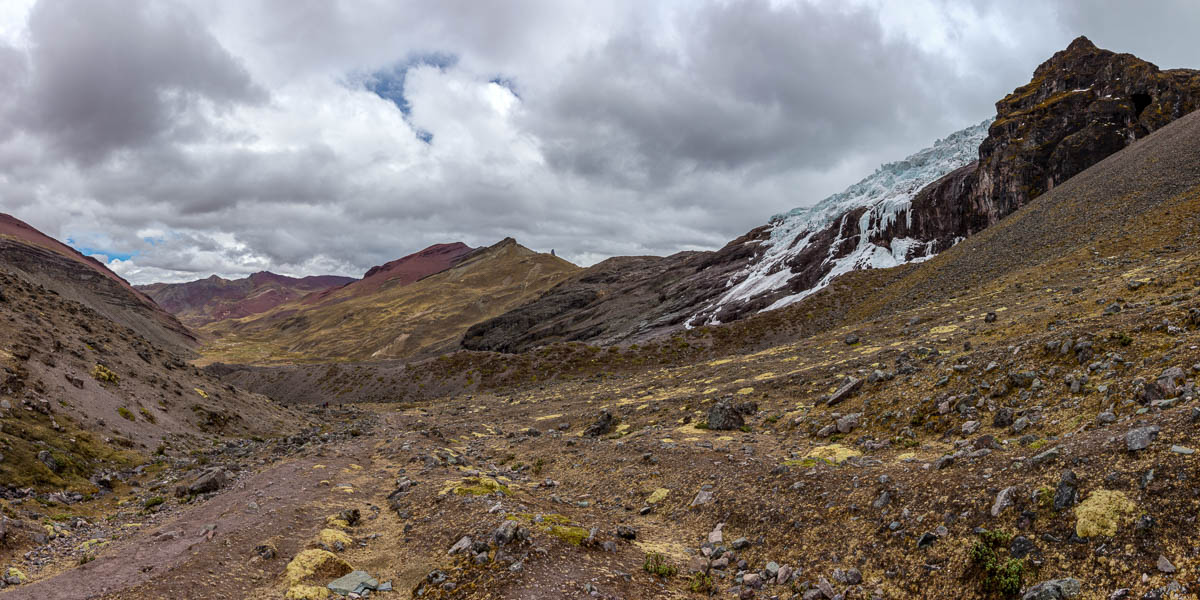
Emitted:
pixel 204 301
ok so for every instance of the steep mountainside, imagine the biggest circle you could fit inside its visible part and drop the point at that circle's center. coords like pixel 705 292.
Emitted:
pixel 1082 105
pixel 81 392
pixel 43 260
pixel 396 317
pixel 619 299
pixel 203 301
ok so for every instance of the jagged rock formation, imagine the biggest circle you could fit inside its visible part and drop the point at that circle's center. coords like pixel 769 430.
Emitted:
pixel 204 301
pixel 1082 105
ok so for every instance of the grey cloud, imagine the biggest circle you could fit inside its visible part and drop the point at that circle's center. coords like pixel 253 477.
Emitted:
pixel 116 74
pixel 751 86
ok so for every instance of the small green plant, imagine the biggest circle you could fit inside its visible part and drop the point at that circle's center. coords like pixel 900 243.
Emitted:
pixel 657 564
pixel 152 502
pixel 746 429
pixel 701 583
pixel 998 575
pixel 538 465
pixel 701 425
pixel 103 374
pixel 1044 497
pixel 147 415
pixel 1121 338
pixel 126 413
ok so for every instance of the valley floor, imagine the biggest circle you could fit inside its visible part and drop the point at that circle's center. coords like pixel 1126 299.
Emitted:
pixel 1039 430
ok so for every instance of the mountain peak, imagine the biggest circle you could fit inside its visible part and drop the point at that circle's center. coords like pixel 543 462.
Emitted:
pixel 1081 43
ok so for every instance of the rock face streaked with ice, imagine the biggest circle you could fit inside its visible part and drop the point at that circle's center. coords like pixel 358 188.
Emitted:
pixel 844 229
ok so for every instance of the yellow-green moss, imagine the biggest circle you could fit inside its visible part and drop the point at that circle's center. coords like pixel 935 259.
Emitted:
pixel 658 496
pixel 77 452
pixel 476 486
pixel 569 534
pixel 307 592
pixel 1102 513
pixel 103 374
pixel 834 453
pixel 126 413
pixel 315 564
pixel 329 537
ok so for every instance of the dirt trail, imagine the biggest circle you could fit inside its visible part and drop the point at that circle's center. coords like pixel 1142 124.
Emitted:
pixel 202 552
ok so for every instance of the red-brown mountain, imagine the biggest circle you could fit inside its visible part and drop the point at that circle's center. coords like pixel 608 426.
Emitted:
pixel 402 271
pixel 204 301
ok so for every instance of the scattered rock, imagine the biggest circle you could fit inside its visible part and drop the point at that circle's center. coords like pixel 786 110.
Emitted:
pixel 1140 438
pixel 602 426
pixel 1067 491
pixel 1056 589
pixel 1003 418
pixel 724 416
pixel 1004 499
pixel 847 390
pixel 462 545
pixel 1165 565
pixel 355 582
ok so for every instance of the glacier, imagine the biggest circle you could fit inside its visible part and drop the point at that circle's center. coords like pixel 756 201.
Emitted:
pixel 887 194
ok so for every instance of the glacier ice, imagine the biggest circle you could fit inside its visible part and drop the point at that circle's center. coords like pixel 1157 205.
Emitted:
pixel 887 194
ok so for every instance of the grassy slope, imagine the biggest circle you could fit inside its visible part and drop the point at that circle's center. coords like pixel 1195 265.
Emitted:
pixel 417 320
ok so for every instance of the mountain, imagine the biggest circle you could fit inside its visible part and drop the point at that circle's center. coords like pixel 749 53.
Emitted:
pixel 1082 105
pixel 395 311
pixel 40 259
pixel 93 375
pixel 399 272
pixel 203 301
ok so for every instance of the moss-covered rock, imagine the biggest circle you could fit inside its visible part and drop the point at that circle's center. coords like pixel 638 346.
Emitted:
pixel 331 537
pixel 307 592
pixel 315 565
pixel 1102 513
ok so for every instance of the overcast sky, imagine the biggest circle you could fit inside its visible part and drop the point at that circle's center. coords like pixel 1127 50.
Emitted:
pixel 182 139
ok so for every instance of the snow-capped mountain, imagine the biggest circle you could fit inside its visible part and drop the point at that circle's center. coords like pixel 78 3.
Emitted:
pixel 842 233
